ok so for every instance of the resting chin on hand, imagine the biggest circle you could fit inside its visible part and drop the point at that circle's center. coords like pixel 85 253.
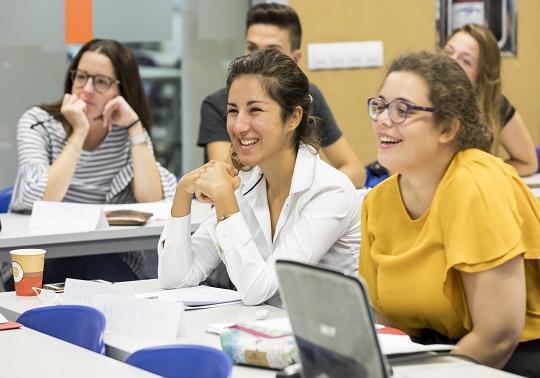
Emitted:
pixel 74 111
pixel 118 112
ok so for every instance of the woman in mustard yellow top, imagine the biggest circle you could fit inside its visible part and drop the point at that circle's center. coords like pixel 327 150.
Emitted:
pixel 451 243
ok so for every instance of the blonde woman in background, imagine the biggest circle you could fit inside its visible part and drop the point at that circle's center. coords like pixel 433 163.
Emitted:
pixel 476 50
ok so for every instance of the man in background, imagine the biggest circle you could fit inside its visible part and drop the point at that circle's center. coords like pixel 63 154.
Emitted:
pixel 277 27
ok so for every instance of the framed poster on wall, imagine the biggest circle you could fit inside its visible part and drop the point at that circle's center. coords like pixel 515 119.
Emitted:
pixel 499 15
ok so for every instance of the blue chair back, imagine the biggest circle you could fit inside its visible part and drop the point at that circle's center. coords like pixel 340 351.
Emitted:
pixel 5 199
pixel 175 361
pixel 80 325
pixel 538 156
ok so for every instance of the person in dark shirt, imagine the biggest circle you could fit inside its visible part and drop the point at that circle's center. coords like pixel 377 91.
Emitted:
pixel 277 27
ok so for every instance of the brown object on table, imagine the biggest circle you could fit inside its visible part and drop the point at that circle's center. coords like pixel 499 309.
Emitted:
pixel 127 217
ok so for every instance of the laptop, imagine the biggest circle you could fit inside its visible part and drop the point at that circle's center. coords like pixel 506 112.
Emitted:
pixel 332 322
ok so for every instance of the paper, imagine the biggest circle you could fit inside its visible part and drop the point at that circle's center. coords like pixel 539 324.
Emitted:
pixel 398 344
pixel 81 292
pixel 9 325
pixel 217 328
pixel 196 296
pixel 197 307
pixel 67 216
pixel 142 318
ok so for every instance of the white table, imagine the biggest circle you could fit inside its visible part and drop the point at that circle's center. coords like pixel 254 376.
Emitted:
pixel 119 347
pixel 28 353
pixel 534 183
pixel 58 243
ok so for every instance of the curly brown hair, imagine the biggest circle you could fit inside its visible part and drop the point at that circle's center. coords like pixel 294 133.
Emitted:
pixel 451 93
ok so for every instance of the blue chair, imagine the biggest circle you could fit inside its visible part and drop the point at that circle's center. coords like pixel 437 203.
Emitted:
pixel 375 173
pixel 538 156
pixel 80 325
pixel 5 199
pixel 175 361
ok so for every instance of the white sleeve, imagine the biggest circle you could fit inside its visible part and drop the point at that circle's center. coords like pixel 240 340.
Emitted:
pixel 183 262
pixel 323 220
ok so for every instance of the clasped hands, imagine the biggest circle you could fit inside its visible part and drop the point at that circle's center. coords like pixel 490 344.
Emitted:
pixel 213 181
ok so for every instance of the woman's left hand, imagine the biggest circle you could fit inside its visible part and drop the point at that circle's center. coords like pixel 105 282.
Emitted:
pixel 118 112
pixel 216 178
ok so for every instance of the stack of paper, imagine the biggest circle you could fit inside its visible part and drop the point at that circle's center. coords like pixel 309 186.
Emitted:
pixel 196 297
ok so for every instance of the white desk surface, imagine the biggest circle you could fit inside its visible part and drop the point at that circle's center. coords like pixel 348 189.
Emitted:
pixel 58 243
pixel 534 182
pixel 534 179
pixel 119 347
pixel 28 353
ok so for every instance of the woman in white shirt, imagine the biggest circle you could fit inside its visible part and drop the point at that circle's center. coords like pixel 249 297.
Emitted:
pixel 279 201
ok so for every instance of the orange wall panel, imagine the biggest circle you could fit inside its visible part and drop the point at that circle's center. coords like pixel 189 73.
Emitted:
pixel 79 21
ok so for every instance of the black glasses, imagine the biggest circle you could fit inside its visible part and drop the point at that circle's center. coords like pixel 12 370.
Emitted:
pixel 101 83
pixel 398 110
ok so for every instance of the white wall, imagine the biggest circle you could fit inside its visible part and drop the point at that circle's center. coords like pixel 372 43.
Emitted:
pixel 213 35
pixel 33 57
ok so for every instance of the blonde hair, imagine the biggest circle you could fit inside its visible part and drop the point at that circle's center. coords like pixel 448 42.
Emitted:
pixel 488 86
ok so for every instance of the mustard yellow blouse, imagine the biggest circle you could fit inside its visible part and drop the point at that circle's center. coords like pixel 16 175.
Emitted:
pixel 482 215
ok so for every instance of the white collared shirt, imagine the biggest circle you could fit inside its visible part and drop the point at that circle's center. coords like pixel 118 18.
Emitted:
pixel 319 223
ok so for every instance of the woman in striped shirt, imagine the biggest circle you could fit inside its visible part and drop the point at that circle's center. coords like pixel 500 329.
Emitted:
pixel 92 146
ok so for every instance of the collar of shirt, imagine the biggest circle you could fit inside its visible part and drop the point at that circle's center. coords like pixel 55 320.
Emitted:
pixel 304 171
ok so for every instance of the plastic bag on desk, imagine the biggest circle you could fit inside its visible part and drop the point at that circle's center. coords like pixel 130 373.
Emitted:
pixel 253 345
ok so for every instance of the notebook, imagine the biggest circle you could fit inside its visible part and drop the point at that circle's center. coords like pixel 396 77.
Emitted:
pixel 331 320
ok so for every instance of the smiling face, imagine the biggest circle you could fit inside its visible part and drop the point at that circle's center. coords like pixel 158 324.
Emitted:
pixel 94 63
pixel 465 50
pixel 409 145
pixel 255 124
pixel 266 36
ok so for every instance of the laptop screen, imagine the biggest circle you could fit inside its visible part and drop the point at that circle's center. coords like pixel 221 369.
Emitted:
pixel 331 319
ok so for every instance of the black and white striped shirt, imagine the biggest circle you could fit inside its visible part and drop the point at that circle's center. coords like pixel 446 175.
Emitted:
pixel 102 176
